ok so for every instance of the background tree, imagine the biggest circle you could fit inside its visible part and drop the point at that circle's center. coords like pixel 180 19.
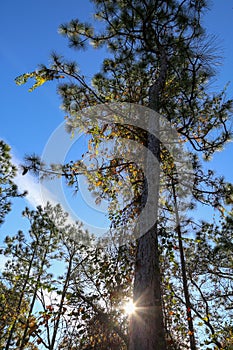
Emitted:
pixel 8 189
pixel 8 312
pixel 63 290
pixel 26 271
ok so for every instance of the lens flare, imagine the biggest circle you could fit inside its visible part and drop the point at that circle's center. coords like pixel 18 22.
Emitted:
pixel 129 307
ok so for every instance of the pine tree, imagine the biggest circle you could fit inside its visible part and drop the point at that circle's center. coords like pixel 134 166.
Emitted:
pixel 8 189
pixel 160 58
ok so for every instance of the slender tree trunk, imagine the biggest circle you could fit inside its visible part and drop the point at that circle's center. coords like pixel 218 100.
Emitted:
pixel 184 273
pixel 36 288
pixel 63 296
pixel 147 328
pixel 18 308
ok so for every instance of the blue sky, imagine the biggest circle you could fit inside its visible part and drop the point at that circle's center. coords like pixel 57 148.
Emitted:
pixel 28 35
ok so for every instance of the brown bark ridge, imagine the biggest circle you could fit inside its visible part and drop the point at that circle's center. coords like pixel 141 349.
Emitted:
pixel 147 330
pixel 146 325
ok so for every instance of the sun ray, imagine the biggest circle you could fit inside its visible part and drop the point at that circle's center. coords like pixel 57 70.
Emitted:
pixel 129 307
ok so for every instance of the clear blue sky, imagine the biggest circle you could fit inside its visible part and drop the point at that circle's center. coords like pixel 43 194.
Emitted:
pixel 28 35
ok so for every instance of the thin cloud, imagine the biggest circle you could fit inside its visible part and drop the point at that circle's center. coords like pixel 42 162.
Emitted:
pixel 33 187
pixel 38 194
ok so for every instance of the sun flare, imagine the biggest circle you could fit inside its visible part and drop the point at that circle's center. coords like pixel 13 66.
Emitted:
pixel 129 307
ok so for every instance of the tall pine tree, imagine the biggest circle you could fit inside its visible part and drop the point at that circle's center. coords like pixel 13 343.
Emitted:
pixel 161 58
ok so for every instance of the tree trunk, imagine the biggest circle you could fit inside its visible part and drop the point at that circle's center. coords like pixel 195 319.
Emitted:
pixel 184 272
pixel 147 330
pixel 146 327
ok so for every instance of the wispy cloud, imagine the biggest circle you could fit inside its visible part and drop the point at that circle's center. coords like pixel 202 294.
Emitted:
pixel 37 194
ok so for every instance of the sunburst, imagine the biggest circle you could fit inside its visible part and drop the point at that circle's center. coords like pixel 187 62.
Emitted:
pixel 129 307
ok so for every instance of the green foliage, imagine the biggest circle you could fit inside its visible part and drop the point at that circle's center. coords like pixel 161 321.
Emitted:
pixel 41 76
pixel 159 58
pixel 8 189
pixel 70 292
pixel 8 312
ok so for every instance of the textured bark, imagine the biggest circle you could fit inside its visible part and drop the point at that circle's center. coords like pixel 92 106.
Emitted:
pixel 147 329
pixel 147 332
